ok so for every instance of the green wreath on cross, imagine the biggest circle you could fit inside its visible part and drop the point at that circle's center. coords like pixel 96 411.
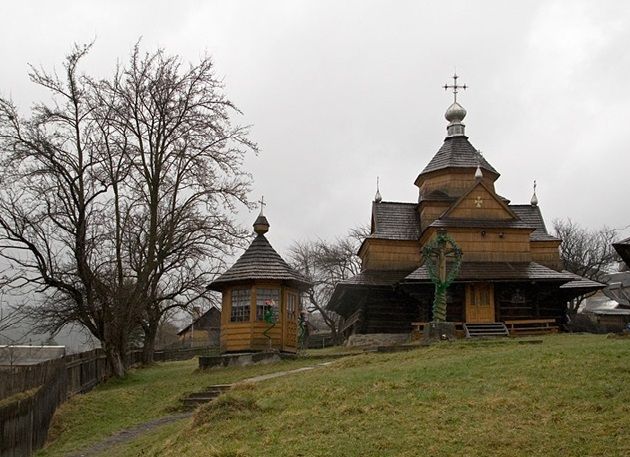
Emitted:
pixel 441 245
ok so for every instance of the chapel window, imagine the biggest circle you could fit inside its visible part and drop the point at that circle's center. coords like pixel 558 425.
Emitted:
pixel 240 305
pixel 267 300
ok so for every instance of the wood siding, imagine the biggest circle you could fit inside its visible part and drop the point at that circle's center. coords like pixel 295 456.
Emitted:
pixel 488 245
pixel 546 253
pixel 389 254
pixel 454 182
pixel 249 336
pixel 430 211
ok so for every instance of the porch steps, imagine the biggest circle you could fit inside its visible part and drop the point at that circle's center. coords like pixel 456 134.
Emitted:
pixel 198 398
pixel 494 329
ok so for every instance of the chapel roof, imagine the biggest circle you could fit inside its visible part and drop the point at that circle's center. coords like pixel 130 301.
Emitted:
pixel 260 261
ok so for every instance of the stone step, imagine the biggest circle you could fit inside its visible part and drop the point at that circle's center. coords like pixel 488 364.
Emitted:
pixel 195 399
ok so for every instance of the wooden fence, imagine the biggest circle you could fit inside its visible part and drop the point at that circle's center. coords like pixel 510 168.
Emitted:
pixel 24 421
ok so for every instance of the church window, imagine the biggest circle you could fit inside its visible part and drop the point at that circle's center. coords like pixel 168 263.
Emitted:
pixel 240 305
pixel 267 300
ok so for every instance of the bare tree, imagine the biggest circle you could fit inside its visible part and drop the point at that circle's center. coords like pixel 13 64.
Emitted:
pixel 185 181
pixel 54 187
pixel 326 264
pixel 117 197
pixel 588 253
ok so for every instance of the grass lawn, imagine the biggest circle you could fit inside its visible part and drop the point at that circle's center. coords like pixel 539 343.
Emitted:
pixel 569 396
pixel 144 395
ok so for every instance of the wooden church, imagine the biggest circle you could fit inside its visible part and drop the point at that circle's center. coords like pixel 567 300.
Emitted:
pixel 511 278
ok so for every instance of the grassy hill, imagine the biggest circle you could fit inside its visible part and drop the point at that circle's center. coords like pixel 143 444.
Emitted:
pixel 569 396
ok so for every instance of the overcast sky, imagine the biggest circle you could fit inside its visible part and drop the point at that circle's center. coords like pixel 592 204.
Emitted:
pixel 340 92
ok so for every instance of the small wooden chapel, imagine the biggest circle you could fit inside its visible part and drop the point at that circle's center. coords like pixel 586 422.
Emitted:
pixel 260 298
pixel 511 277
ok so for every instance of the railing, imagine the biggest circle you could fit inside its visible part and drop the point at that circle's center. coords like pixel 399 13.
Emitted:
pixel 24 421
pixel 352 319
pixel 531 326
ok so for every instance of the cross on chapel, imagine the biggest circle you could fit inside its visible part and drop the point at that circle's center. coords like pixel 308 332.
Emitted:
pixel 262 204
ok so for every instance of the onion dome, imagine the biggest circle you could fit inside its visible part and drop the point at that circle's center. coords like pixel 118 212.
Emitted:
pixel 455 113
pixel 261 225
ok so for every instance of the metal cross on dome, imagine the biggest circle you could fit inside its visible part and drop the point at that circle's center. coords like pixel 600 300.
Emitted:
pixel 455 86
pixel 262 204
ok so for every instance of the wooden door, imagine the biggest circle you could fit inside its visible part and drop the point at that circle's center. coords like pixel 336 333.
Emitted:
pixel 479 303
pixel 290 323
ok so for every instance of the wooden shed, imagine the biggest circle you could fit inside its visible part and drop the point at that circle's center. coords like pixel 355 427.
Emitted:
pixel 261 297
pixel 203 331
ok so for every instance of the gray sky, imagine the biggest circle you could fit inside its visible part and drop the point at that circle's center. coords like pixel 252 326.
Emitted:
pixel 340 92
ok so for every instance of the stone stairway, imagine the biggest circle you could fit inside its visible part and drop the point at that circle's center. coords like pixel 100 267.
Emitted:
pixel 494 329
pixel 198 398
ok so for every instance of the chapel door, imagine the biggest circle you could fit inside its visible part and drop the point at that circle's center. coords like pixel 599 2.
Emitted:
pixel 290 322
pixel 479 303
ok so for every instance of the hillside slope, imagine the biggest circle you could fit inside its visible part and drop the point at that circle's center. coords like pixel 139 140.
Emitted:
pixel 569 396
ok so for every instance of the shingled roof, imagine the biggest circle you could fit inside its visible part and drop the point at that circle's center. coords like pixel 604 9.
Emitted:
pixel 498 271
pixel 532 216
pixel 395 221
pixel 459 153
pixel 580 282
pixel 259 261
pixel 623 249
pixel 480 223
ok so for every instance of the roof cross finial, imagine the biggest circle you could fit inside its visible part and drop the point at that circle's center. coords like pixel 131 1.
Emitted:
pixel 377 197
pixel 455 87
pixel 262 204
pixel 534 200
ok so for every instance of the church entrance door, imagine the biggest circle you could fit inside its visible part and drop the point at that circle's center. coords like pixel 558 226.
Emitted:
pixel 479 303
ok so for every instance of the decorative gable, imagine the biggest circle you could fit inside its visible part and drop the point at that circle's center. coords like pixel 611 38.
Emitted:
pixel 480 203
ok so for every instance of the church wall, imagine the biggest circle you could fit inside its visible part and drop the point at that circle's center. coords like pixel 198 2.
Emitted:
pixel 488 245
pixel 454 182
pixel 514 301
pixel 546 253
pixel 388 311
pixel 389 254
pixel 430 211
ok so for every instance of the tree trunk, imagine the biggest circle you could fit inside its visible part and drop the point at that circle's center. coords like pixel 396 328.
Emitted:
pixel 150 334
pixel 115 361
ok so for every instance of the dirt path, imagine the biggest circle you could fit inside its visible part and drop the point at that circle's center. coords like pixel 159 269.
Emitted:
pixel 127 436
